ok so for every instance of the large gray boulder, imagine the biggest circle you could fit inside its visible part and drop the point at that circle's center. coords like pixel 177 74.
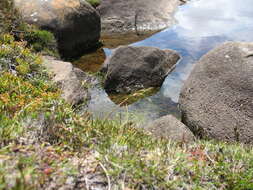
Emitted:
pixel 119 16
pixel 133 68
pixel 72 81
pixel 171 128
pixel 75 23
pixel 217 99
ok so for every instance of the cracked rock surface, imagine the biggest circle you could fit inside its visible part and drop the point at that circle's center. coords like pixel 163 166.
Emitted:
pixel 119 16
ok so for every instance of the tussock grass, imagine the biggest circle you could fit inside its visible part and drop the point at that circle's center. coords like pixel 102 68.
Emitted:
pixel 128 158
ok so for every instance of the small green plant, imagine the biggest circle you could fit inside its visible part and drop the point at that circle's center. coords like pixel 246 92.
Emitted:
pixel 94 3
pixel 36 39
pixel 40 41
pixel 25 86
pixel 9 19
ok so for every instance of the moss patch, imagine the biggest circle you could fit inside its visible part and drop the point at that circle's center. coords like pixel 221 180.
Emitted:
pixel 94 3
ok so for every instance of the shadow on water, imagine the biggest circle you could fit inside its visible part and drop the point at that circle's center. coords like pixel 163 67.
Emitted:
pixel 124 39
pixel 93 61
pixel 201 25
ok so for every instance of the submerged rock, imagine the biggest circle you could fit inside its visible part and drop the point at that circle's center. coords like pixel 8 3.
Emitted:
pixel 169 127
pixel 75 23
pixel 91 62
pixel 119 16
pixel 133 68
pixel 128 99
pixel 72 81
pixel 217 99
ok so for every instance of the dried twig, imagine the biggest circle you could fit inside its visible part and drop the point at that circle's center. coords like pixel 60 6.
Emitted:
pixel 107 175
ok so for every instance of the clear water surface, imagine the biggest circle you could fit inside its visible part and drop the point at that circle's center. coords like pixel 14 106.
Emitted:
pixel 201 25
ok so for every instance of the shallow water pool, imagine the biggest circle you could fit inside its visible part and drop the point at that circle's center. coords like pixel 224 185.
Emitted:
pixel 201 25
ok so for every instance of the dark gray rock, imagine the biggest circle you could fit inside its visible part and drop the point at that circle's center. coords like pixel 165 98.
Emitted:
pixel 134 68
pixel 169 127
pixel 75 23
pixel 119 16
pixel 217 99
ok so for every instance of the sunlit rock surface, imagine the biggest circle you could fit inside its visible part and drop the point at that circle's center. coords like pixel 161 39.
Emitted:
pixel 217 98
pixel 75 23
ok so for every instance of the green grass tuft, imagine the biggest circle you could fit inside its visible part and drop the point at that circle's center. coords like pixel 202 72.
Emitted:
pixel 25 86
pixel 38 40
pixel 41 41
pixel 94 3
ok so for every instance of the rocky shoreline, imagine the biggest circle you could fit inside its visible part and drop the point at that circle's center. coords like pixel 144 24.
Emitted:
pixel 129 77
pixel 49 140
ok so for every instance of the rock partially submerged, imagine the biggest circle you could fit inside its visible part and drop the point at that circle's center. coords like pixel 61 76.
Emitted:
pixel 171 128
pixel 133 68
pixel 217 99
pixel 72 81
pixel 75 23
pixel 119 16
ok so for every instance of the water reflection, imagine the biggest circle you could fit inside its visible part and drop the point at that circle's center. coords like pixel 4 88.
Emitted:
pixel 128 99
pixel 93 61
pixel 201 25
pixel 124 39
pixel 214 18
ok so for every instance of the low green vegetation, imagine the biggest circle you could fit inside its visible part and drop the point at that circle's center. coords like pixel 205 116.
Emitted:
pixel 24 86
pixel 119 153
pixel 38 40
pixel 94 3
pixel 46 144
